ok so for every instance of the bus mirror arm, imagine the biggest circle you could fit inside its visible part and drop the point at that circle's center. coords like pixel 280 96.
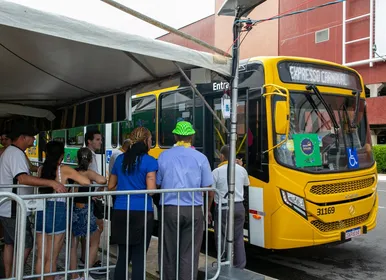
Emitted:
pixel 282 113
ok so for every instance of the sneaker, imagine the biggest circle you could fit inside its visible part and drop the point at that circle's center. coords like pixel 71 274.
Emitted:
pixel 100 271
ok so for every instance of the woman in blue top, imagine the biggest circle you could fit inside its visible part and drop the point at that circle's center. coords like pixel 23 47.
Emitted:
pixel 133 170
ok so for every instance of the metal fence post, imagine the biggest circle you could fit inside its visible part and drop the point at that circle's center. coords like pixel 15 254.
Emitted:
pixel 21 232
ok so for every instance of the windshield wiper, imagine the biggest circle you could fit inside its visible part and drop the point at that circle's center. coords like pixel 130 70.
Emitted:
pixel 316 110
pixel 344 109
pixel 328 108
pixel 354 120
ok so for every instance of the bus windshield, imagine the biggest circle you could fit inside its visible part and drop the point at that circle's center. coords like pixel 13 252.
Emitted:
pixel 310 119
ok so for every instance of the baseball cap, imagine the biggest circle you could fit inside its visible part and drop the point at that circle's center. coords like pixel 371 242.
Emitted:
pixel 184 128
pixel 22 128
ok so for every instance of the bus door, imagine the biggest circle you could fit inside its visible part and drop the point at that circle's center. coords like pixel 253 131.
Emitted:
pixel 215 136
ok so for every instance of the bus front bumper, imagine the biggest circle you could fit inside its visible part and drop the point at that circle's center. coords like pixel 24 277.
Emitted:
pixel 291 230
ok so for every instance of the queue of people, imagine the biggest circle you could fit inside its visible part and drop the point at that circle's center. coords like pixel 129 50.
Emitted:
pixel 180 167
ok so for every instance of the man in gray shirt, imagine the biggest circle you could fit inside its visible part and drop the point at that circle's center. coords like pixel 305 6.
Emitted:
pixel 220 178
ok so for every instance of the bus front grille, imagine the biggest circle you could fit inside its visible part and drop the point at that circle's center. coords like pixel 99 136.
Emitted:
pixel 326 227
pixel 343 187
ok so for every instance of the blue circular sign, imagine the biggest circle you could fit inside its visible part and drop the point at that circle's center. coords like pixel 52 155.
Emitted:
pixel 307 146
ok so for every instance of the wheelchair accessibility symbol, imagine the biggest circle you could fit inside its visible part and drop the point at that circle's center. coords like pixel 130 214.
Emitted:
pixel 352 157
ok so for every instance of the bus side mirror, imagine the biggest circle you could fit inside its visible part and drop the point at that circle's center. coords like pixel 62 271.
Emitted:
pixel 281 117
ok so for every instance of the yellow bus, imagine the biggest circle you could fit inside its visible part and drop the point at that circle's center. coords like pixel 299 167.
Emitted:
pixel 313 177
pixel 303 137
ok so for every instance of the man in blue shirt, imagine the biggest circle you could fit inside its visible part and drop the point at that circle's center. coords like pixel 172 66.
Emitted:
pixel 182 167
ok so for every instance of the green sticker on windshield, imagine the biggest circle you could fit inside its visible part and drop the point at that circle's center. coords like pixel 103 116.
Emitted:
pixel 307 150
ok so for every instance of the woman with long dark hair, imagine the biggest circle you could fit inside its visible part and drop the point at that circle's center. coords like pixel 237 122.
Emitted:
pixel 55 208
pixel 81 209
pixel 133 170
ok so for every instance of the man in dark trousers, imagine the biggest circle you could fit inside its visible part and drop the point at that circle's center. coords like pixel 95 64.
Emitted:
pixel 182 167
pixel 220 177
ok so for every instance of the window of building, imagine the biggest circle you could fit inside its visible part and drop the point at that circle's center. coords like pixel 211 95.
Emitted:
pixel 382 92
pixel 381 140
pixel 322 35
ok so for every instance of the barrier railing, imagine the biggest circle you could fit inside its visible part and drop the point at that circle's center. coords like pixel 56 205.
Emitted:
pixel 35 203
pixel 21 218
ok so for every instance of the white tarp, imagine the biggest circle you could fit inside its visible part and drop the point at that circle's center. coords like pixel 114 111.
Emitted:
pixel 51 60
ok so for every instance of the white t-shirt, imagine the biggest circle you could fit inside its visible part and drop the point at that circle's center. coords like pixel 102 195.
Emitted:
pixel 220 177
pixel 113 157
pixel 13 162
pixel 94 164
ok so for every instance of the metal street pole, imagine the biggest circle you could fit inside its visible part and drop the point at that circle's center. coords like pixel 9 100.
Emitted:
pixel 233 140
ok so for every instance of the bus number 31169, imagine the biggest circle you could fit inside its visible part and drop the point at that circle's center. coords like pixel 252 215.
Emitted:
pixel 325 211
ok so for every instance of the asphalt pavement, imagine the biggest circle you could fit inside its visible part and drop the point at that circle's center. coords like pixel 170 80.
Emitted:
pixel 362 258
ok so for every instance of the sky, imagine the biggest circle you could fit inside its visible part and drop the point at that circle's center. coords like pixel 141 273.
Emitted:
pixel 176 13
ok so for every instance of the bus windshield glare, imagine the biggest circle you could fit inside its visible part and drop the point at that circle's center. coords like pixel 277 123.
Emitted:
pixel 308 116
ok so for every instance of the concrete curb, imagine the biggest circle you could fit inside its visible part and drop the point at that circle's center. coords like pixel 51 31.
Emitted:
pixel 381 177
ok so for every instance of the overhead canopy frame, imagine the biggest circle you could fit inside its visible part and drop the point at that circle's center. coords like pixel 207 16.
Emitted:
pixel 51 61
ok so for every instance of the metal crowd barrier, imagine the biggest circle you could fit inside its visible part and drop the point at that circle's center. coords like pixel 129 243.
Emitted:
pixel 27 203
pixel 21 218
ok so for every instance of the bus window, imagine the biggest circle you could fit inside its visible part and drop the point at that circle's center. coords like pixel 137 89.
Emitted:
pixel 100 127
pixel 124 130
pixel 75 136
pixel 177 106
pixel 114 135
pixel 257 138
pixel 198 118
pixel 143 114
pixel 59 135
pixel 241 129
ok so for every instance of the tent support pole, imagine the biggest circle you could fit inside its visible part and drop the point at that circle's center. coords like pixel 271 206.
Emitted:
pixel 165 27
pixel 140 64
pixel 193 86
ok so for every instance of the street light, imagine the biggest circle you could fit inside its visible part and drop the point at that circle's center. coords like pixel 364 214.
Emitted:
pixel 230 7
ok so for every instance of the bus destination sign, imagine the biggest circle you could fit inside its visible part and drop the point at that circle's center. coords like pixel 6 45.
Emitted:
pixel 307 73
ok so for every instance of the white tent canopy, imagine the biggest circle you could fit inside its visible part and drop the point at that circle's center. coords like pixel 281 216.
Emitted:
pixel 7 110
pixel 51 60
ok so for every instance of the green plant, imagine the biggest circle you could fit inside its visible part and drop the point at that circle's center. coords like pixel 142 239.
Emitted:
pixel 379 152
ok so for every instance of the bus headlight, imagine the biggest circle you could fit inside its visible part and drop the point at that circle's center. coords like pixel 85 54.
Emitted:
pixel 295 202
